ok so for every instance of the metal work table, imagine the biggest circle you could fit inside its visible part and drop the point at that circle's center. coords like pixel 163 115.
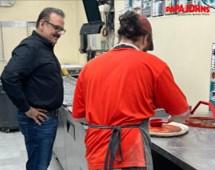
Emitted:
pixel 69 146
pixel 195 150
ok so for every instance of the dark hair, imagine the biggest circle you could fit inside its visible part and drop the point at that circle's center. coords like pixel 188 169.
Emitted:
pixel 45 13
pixel 130 26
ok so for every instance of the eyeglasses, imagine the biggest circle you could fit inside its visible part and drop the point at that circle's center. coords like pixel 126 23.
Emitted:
pixel 57 27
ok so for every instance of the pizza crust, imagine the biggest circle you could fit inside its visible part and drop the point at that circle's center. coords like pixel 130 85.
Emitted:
pixel 181 130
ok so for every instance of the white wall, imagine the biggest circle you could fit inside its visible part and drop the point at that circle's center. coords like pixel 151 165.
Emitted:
pixel 185 43
pixel 67 48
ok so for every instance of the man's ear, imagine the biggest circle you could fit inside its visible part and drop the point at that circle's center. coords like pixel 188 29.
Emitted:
pixel 42 22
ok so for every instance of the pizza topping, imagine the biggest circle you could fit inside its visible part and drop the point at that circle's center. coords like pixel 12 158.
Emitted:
pixel 165 128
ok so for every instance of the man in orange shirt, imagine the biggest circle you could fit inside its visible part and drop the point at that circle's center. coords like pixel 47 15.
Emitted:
pixel 116 94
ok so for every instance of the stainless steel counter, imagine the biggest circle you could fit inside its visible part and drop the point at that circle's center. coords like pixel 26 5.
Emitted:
pixel 195 150
pixel 8 111
pixel 69 146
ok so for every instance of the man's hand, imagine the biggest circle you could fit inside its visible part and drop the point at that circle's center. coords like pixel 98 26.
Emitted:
pixel 37 114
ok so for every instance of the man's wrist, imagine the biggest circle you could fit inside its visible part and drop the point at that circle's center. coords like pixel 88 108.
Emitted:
pixel 25 109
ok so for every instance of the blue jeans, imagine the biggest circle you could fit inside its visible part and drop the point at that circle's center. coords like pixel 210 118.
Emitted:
pixel 39 140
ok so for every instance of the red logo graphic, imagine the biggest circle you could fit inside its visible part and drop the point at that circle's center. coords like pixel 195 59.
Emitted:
pixel 189 8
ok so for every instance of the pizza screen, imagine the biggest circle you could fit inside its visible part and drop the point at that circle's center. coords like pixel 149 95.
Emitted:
pixel 165 128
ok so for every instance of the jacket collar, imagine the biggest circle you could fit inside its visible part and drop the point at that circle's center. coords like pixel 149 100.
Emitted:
pixel 43 39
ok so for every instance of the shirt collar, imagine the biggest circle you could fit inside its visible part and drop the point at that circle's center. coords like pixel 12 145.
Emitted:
pixel 126 44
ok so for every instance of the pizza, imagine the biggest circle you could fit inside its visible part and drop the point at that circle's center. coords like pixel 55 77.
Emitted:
pixel 165 128
pixel 168 129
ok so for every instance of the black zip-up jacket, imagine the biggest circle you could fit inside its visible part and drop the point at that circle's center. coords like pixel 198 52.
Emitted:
pixel 33 75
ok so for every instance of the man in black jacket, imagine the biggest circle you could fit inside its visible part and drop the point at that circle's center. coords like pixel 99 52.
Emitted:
pixel 32 79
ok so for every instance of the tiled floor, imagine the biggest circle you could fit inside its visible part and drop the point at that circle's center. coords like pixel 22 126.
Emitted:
pixel 13 155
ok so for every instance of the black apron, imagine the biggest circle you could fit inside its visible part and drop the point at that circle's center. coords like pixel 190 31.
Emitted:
pixel 115 143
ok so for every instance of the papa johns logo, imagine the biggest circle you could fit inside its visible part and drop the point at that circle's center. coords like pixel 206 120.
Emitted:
pixel 189 8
